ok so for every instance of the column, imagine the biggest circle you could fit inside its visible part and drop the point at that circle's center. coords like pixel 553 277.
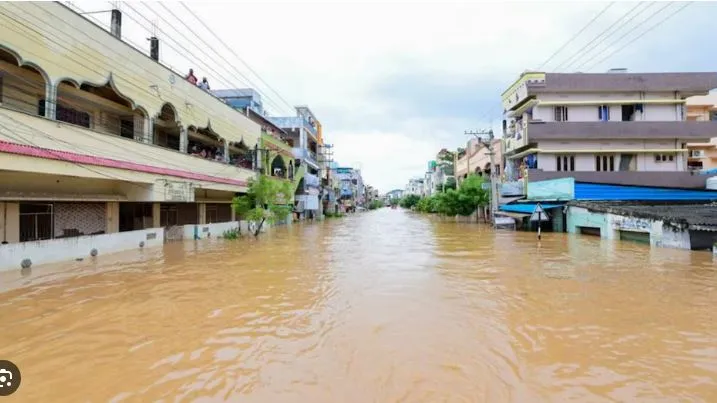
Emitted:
pixel 156 214
pixel 50 100
pixel 202 213
pixel 183 139
pixel 233 213
pixel 9 222
pixel 226 151
pixel 148 136
pixel 112 218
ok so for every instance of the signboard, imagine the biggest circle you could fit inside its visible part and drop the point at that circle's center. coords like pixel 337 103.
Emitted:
pixel 177 191
pixel 539 214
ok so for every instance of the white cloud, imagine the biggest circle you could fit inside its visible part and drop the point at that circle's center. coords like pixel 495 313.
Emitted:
pixel 334 55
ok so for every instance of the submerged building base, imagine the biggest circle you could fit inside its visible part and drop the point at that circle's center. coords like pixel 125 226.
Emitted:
pixel 683 226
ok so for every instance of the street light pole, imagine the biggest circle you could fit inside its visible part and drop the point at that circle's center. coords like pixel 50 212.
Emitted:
pixel 491 153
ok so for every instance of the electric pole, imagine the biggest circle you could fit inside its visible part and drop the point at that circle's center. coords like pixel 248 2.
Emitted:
pixel 493 177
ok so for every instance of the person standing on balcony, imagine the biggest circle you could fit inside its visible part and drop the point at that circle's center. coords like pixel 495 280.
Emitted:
pixel 204 84
pixel 191 77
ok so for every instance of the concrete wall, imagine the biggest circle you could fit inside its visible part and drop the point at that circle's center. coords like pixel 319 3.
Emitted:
pixel 644 161
pixel 77 50
pixel 610 225
pixel 589 113
pixel 56 250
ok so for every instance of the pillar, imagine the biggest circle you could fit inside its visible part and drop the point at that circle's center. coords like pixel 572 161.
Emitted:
pixel 50 100
pixel 9 222
pixel 112 218
pixel 148 135
pixel 202 213
pixel 156 214
pixel 233 213
pixel 226 151
pixel 183 139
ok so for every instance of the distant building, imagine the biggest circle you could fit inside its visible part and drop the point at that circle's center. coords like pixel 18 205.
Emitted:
pixel 702 156
pixel 615 127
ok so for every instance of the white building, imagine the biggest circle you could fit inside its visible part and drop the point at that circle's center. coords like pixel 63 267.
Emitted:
pixel 414 187
pixel 592 126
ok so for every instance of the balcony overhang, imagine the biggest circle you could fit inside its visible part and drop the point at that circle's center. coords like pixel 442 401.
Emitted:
pixel 692 131
pixel 678 180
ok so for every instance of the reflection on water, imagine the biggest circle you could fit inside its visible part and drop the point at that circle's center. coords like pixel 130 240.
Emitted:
pixel 384 306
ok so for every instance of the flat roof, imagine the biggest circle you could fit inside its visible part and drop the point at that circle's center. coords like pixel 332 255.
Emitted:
pixel 704 214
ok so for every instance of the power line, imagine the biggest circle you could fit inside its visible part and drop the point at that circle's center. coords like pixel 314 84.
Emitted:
pixel 651 16
pixel 569 41
pixel 235 55
pixel 577 54
pixel 642 34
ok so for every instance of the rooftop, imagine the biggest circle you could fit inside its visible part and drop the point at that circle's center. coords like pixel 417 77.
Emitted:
pixel 686 214
pixel 686 83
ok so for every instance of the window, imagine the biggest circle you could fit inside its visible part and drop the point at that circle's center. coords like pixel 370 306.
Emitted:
pixel 561 113
pixel 664 157
pixel 127 128
pixel 628 162
pixel 565 163
pixel 603 113
pixel 605 163
pixel 628 112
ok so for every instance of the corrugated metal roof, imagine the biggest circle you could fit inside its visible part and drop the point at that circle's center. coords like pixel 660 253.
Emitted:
pixel 596 191
pixel 526 208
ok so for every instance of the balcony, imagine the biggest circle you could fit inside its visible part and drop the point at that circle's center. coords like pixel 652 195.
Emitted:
pixel 688 131
pixel 294 122
pixel 680 180
pixel 276 144
pixel 31 144
pixel 142 88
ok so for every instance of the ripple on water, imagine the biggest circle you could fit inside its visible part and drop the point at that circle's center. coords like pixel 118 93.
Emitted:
pixel 382 306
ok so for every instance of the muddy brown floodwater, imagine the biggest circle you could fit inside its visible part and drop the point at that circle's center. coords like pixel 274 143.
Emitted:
pixel 384 306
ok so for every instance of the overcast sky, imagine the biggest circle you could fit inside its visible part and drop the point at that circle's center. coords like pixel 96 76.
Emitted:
pixel 393 82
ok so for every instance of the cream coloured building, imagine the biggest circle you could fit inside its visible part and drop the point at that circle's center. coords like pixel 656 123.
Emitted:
pixel 95 142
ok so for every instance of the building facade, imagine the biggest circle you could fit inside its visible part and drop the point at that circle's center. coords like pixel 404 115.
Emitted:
pixel 615 127
pixel 702 156
pixel 98 155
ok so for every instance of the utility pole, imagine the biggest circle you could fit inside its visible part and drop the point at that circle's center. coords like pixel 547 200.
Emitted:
pixel 493 177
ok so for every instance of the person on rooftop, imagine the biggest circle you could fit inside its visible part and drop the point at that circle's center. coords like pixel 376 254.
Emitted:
pixel 204 84
pixel 191 77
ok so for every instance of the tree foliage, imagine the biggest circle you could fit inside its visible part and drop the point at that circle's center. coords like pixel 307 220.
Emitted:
pixel 463 201
pixel 375 204
pixel 409 201
pixel 266 201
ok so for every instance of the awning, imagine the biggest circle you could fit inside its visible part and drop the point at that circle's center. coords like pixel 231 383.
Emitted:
pixel 528 208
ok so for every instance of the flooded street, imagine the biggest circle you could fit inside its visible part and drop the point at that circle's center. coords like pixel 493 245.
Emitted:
pixel 384 306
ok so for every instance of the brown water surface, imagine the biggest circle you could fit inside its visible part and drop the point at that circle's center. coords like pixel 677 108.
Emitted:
pixel 385 306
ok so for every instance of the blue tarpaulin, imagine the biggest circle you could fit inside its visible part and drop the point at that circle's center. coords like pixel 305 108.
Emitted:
pixel 527 208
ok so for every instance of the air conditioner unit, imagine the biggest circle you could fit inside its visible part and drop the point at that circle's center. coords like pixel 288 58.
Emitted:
pixel 697 153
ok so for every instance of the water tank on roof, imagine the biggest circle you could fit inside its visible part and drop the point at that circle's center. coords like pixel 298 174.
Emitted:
pixel 712 183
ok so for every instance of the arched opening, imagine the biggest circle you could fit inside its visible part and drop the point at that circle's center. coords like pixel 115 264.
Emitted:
pixel 205 143
pixel 241 156
pixel 22 88
pixel 290 173
pixel 166 128
pixel 99 107
pixel 478 171
pixel 278 167
pixel 487 169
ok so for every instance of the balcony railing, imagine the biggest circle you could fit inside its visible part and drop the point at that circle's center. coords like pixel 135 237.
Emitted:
pixel 688 130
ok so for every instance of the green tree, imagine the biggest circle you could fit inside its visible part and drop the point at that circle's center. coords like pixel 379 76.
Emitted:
pixel 266 201
pixel 473 194
pixel 409 201
pixel 375 204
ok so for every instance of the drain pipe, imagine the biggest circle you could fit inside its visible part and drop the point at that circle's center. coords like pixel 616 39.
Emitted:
pixel 4 224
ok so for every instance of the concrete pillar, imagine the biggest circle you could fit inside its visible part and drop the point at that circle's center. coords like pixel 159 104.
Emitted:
pixel 50 100
pixel 202 213
pixel 183 139
pixel 233 213
pixel 148 136
pixel 156 222
pixel 112 218
pixel 9 222
pixel 226 151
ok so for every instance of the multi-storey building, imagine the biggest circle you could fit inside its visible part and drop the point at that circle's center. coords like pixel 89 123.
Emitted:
pixel 702 156
pixel 305 137
pixel 351 187
pixel 616 127
pixel 476 159
pixel 100 141
pixel 414 187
